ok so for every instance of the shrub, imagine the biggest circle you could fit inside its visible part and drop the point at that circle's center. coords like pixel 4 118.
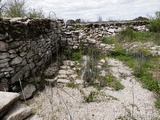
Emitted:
pixel 77 55
pixel 74 55
pixel 18 8
pixel 127 33
pixel 15 8
pixel 154 25
pixel 118 50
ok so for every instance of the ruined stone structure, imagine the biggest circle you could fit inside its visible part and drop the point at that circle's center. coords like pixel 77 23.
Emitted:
pixel 26 45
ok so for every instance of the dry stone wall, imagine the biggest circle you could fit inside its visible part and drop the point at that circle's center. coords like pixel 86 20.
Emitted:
pixel 26 45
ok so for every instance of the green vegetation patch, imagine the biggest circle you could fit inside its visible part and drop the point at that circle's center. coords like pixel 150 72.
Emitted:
pixel 74 55
pixel 107 40
pixel 142 64
pixel 111 81
pixel 92 96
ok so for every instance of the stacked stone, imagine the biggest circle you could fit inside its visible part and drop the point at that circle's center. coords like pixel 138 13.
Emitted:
pixel 70 39
pixel 106 29
pixel 25 46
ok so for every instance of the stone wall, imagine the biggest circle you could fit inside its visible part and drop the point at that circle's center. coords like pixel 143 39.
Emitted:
pixel 91 33
pixel 26 45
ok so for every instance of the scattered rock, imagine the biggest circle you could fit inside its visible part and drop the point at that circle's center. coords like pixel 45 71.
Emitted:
pixel 50 71
pixel 27 92
pixel 69 63
pixel 111 30
pixel 102 61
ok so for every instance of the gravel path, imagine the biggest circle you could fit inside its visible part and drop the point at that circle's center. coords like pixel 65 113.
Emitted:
pixel 134 97
pixel 64 103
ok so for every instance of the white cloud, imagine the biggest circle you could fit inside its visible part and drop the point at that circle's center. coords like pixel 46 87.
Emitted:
pixel 92 9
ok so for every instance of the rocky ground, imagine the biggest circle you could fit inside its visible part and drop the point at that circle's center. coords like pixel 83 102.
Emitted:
pixel 66 98
pixel 67 103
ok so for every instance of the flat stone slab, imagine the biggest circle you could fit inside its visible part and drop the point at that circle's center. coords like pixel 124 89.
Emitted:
pixel 62 77
pixel 51 80
pixel 65 72
pixel 18 112
pixel 65 81
pixel 34 117
pixel 7 99
pixel 78 81
pixel 74 76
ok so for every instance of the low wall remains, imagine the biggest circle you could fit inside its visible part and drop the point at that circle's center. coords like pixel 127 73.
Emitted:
pixel 26 45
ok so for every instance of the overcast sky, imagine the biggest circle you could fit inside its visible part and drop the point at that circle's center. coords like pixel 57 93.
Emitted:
pixel 92 9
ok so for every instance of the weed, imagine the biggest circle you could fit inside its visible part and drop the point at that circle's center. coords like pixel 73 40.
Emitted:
pixel 91 97
pixel 127 34
pixel 118 50
pixel 108 79
pixel 157 103
pixel 107 40
pixel 141 53
pixel 111 81
pixel 91 72
pixel 118 86
pixel 113 98
pixel 74 55
pixel 71 84
pixel 154 25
